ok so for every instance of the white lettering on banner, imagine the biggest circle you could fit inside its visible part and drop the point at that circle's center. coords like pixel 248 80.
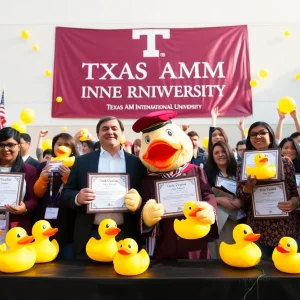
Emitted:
pixel 176 91
pixel 140 92
pixel 151 42
pixel 101 92
pixel 90 70
pixel 194 70
pixel 153 107
pixel 114 71
pixel 109 74
pixel 211 72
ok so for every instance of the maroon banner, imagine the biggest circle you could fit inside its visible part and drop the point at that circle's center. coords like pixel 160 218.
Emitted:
pixel 129 73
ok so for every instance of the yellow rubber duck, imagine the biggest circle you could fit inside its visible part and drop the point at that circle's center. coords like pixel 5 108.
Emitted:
pixel 84 135
pixel 21 256
pixel 191 228
pixel 261 170
pixel 63 154
pixel 244 253
pixel 46 251
pixel 104 249
pixel 128 261
pixel 285 256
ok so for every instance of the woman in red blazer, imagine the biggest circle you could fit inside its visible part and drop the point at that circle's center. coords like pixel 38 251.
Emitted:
pixel 11 161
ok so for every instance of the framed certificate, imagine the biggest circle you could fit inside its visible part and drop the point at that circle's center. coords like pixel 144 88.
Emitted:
pixel 263 164
pixel 174 193
pixel 11 187
pixel 228 184
pixel 110 189
pixel 265 199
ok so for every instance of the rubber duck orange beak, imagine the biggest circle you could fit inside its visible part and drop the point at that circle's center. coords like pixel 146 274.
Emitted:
pixel 60 152
pixel 112 231
pixel 263 160
pixel 162 154
pixel 252 237
pixel 1 231
pixel 124 251
pixel 26 240
pixel 281 249
pixel 194 212
pixel 50 231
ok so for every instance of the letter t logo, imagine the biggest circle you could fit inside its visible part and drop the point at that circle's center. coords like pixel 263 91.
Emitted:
pixel 151 34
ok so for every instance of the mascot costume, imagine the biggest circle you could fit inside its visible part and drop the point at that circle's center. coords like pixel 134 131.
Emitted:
pixel 166 151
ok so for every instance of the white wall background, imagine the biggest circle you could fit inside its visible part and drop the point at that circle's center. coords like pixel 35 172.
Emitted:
pixel 22 69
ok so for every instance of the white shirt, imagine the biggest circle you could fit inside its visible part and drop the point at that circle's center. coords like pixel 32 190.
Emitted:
pixel 25 157
pixel 110 164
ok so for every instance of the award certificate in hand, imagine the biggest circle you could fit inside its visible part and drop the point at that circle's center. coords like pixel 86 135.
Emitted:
pixel 228 184
pixel 174 193
pixel 11 187
pixel 110 189
pixel 265 199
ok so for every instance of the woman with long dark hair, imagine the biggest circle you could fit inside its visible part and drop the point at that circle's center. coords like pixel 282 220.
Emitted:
pixel 261 137
pixel 11 161
pixel 221 162
pixel 216 134
pixel 291 149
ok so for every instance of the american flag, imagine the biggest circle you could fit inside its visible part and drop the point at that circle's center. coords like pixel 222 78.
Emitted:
pixel 2 112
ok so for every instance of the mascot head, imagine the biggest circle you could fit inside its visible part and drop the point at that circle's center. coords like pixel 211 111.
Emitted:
pixel 164 146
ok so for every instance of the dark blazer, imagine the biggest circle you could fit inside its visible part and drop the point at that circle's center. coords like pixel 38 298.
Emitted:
pixel 31 161
pixel 78 180
pixel 30 200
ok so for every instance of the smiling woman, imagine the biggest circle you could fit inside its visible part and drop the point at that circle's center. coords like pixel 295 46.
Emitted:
pixel 261 137
pixel 11 161
pixel 291 149
pixel 221 163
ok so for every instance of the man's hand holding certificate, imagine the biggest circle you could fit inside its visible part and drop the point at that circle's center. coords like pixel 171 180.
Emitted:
pixel 85 196
pixel 108 193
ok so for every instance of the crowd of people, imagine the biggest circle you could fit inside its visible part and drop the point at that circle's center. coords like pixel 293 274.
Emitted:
pixel 66 189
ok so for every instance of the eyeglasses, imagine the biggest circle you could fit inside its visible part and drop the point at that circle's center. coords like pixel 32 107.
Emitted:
pixel 254 135
pixel 9 146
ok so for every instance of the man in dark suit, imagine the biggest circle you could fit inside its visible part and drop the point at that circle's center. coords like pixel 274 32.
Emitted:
pixel 111 158
pixel 25 143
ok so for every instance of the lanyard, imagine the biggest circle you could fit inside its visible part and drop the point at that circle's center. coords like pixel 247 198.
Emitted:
pixel 52 201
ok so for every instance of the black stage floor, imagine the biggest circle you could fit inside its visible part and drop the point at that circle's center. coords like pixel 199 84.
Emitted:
pixel 186 280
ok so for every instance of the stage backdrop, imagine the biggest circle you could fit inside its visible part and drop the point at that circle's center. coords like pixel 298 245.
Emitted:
pixel 128 73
